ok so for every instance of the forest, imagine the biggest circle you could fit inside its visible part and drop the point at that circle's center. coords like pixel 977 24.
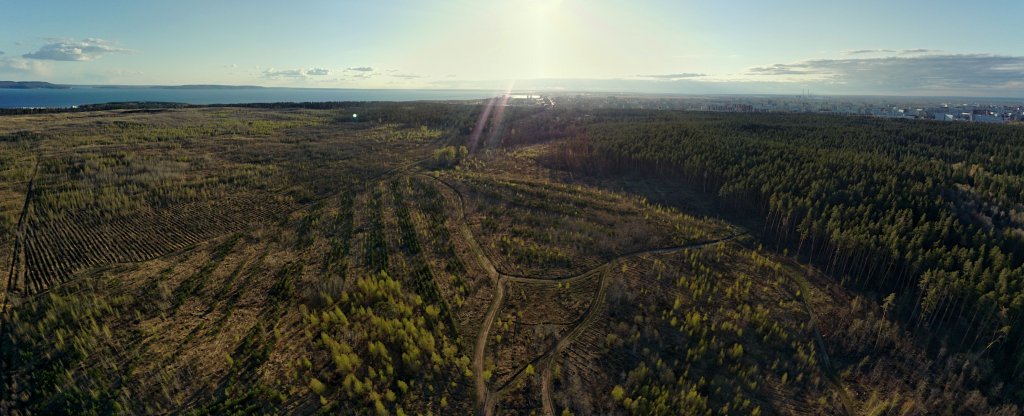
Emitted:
pixel 442 258
pixel 924 217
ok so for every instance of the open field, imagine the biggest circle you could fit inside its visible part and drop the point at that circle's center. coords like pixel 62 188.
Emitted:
pixel 244 260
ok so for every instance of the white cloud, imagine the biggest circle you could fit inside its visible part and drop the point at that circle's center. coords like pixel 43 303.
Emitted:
pixel 870 51
pixel 71 50
pixel 271 73
pixel 917 51
pixel 298 74
pixel 406 76
pixel 360 69
pixel 21 66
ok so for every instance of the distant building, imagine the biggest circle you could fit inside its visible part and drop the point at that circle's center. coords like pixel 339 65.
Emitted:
pixel 985 118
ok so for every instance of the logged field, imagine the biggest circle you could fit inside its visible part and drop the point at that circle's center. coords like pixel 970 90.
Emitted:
pixel 291 260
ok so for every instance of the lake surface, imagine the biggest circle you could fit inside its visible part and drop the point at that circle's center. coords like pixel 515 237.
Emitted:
pixel 15 98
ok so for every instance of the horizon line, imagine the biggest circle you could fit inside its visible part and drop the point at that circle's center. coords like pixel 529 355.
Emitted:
pixel 502 91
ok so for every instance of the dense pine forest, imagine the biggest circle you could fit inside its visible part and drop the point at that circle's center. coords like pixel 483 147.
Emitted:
pixel 924 217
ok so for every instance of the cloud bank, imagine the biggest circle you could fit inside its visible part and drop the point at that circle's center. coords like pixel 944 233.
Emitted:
pixel 890 51
pixel 917 51
pixel 906 72
pixel 71 50
pixel 672 77
pixel 318 71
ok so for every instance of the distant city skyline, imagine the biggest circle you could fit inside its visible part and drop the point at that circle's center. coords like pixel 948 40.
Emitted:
pixel 782 47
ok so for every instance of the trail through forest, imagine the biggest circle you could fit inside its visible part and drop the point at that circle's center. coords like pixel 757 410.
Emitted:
pixel 489 397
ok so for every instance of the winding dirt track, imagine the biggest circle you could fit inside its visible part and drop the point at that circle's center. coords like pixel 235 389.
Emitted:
pixel 826 362
pixel 488 397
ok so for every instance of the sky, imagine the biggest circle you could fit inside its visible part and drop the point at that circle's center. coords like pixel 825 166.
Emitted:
pixel 936 47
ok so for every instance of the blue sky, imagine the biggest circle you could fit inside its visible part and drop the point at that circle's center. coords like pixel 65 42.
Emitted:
pixel 936 47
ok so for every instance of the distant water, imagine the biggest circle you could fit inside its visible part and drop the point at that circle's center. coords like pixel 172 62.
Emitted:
pixel 15 98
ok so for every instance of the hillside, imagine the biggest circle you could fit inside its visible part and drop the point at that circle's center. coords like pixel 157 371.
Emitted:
pixel 237 260
pixel 30 84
